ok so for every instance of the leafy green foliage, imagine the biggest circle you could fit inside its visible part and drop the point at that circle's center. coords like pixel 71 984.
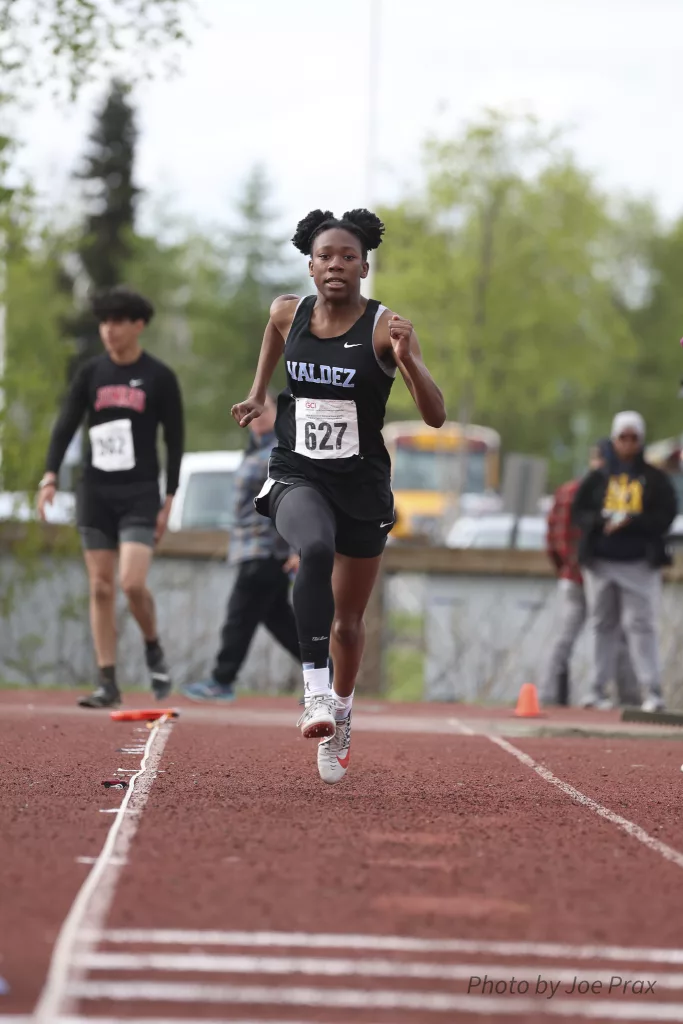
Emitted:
pixel 507 263
pixel 64 42
pixel 36 355
pixel 658 326
pixel 213 295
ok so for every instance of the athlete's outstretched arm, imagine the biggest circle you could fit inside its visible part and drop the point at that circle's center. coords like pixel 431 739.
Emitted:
pixel 273 345
pixel 419 381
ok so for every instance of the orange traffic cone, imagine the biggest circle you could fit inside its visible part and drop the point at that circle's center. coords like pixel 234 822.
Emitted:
pixel 527 702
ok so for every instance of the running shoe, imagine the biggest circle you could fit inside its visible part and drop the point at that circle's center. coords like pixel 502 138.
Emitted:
pixel 334 754
pixel 208 690
pixel 106 695
pixel 599 703
pixel 158 672
pixel 652 704
pixel 317 721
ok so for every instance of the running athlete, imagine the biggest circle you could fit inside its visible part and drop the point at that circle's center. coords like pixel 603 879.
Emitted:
pixel 329 489
pixel 125 394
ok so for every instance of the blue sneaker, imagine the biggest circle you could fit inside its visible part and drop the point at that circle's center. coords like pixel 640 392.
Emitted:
pixel 208 689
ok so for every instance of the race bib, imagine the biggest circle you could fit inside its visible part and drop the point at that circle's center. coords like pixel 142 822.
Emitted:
pixel 112 446
pixel 326 429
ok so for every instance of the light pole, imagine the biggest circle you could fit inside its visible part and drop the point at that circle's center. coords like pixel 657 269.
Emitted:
pixel 373 90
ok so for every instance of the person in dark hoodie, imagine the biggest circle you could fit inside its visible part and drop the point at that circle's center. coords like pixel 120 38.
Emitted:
pixel 624 512
pixel 264 563
pixel 571 612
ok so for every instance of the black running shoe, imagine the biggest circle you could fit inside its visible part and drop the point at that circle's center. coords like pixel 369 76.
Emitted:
pixel 159 674
pixel 106 695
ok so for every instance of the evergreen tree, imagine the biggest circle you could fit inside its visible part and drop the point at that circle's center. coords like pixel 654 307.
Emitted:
pixel 111 197
pixel 232 286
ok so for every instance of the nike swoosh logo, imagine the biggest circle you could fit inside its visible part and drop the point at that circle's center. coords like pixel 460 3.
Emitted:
pixel 390 523
pixel 344 761
pixel 356 344
pixel 135 383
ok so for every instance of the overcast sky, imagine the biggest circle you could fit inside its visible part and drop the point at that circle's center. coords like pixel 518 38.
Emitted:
pixel 287 84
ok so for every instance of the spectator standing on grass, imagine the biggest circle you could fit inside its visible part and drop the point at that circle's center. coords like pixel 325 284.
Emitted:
pixel 562 546
pixel 264 562
pixel 624 513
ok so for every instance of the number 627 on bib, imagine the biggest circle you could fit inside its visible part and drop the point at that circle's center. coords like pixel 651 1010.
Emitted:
pixel 326 429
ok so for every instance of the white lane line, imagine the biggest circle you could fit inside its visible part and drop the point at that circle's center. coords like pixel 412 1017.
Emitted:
pixel 461 727
pixel 629 827
pixel 334 968
pixel 364 999
pixel 89 909
pixel 387 943
pixel 93 860
pixel 12 1019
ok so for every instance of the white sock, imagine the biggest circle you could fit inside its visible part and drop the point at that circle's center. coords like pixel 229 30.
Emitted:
pixel 316 681
pixel 343 713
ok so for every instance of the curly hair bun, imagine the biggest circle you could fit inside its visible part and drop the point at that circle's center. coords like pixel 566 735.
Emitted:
pixel 308 227
pixel 369 224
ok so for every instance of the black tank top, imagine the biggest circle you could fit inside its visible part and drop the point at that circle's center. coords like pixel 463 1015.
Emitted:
pixel 330 415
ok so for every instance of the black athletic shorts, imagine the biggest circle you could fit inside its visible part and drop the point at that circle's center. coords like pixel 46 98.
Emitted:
pixel 355 538
pixel 112 514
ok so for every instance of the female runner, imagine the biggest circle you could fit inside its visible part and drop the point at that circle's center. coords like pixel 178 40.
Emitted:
pixel 329 490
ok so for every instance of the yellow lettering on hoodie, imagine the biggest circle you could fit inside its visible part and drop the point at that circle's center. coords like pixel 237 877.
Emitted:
pixel 624 495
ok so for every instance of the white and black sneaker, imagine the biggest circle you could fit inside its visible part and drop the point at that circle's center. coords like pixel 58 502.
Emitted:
pixel 159 674
pixel 653 703
pixel 107 695
pixel 318 719
pixel 334 753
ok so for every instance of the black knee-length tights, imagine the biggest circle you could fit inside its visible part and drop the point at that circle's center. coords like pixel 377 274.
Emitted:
pixel 306 521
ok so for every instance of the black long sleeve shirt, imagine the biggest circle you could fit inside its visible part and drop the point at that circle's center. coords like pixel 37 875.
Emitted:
pixel 134 400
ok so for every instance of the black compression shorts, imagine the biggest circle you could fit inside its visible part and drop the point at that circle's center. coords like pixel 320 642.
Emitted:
pixel 355 538
pixel 111 514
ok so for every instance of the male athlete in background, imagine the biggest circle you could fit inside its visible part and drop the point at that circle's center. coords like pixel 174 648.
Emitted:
pixel 125 394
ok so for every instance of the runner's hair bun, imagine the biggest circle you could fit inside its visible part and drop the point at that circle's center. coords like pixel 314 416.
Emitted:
pixel 308 227
pixel 368 224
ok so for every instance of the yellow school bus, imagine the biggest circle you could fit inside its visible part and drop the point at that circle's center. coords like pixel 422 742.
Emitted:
pixel 426 466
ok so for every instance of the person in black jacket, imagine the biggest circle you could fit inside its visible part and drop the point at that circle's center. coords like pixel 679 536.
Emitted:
pixel 124 395
pixel 624 512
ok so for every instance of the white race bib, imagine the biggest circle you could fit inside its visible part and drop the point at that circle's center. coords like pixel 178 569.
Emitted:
pixel 112 446
pixel 326 429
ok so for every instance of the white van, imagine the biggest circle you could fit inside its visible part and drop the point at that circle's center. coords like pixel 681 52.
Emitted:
pixel 205 499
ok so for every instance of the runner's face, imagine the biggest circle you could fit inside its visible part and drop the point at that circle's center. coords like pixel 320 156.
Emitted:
pixel 337 265
pixel 120 336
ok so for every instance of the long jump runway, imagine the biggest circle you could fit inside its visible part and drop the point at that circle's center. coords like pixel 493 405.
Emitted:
pixel 464 870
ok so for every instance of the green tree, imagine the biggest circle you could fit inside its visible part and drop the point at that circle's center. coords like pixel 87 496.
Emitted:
pixel 505 263
pixel 213 295
pixel 111 196
pixel 56 42
pixel 36 354
pixel 111 192
pixel 658 325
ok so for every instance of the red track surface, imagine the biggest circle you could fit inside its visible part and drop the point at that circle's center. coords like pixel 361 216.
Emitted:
pixel 432 836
